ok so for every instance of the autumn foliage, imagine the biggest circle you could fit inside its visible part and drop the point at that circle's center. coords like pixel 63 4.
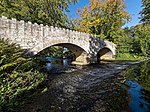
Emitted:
pixel 102 17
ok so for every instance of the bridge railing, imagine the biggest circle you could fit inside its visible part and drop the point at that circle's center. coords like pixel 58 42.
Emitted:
pixel 12 27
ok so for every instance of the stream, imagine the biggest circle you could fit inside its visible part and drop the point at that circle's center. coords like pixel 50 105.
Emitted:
pixel 105 87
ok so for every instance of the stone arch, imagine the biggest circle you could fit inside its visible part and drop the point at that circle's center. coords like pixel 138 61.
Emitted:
pixel 80 53
pixel 105 54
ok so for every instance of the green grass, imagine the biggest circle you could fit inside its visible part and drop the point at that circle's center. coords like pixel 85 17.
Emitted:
pixel 128 56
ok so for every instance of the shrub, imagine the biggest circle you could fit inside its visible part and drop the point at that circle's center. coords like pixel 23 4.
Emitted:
pixel 18 75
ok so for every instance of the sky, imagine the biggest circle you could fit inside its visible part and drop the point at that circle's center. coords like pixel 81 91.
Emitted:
pixel 133 8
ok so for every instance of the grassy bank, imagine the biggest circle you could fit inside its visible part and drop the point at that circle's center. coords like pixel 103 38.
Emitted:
pixel 128 56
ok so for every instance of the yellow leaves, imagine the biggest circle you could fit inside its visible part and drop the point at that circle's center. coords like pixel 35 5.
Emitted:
pixel 102 16
pixel 75 21
pixel 83 26
pixel 114 3
pixel 95 4
pixel 91 1
pixel 123 13
pixel 85 10
pixel 104 5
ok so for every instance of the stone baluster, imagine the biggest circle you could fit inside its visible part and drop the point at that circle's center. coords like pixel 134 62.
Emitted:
pixel 46 31
pixel 35 31
pixel 13 33
pixel 28 29
pixel 20 32
pixel 40 38
pixel 52 30
pixel 41 34
pixel 4 27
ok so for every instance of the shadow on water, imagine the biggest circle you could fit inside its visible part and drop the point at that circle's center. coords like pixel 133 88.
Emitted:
pixel 92 88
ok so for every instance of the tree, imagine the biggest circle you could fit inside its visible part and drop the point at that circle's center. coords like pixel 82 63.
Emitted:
pixel 145 13
pixel 103 18
pixel 142 33
pixel 135 41
pixel 50 12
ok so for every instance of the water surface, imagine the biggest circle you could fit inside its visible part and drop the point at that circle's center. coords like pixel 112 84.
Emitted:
pixel 93 88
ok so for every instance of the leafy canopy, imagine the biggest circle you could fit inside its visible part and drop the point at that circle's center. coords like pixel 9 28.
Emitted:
pixel 102 17
pixel 50 12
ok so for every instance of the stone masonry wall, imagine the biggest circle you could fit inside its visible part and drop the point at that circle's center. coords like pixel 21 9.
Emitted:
pixel 35 38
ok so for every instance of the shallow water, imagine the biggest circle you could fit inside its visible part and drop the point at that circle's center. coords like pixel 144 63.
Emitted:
pixel 137 102
pixel 93 88
pixel 137 76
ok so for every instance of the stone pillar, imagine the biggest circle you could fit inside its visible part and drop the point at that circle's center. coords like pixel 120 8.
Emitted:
pixel 20 37
pixel 4 28
pixel 82 59
pixel 13 32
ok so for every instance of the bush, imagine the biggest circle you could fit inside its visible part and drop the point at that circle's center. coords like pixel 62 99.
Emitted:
pixel 18 75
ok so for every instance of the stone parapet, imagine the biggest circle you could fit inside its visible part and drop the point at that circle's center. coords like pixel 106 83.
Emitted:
pixel 35 38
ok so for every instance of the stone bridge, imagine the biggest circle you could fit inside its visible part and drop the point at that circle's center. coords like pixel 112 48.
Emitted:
pixel 35 38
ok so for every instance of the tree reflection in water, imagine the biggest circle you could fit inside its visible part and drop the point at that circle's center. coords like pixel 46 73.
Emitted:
pixel 138 79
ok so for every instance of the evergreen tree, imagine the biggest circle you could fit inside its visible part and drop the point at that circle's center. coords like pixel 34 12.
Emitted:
pixel 145 13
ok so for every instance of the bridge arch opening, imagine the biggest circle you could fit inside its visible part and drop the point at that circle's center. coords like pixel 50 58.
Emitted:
pixel 79 55
pixel 104 54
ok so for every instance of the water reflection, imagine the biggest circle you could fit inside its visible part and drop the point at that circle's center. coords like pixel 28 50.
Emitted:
pixel 138 78
pixel 49 66
pixel 66 62
pixel 137 102
pixel 55 63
